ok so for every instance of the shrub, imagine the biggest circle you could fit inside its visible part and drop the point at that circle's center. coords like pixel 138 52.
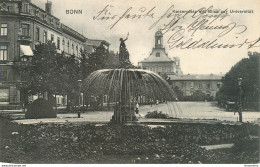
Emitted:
pixel 156 114
pixel 40 108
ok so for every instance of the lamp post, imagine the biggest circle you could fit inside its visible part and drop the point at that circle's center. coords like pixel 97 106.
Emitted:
pixel 80 82
pixel 22 96
pixel 240 99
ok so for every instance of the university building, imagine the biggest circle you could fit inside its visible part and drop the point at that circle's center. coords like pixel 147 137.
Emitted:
pixel 24 25
pixel 188 84
pixel 159 61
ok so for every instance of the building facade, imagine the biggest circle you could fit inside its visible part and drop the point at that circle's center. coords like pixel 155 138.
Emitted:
pixel 188 84
pixel 159 61
pixel 23 26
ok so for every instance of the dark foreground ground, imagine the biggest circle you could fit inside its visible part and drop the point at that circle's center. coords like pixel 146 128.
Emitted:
pixel 110 143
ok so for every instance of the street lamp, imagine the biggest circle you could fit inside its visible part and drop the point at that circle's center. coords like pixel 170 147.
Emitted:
pixel 240 99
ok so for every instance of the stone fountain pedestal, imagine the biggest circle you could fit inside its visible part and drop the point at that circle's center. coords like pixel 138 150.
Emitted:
pixel 124 113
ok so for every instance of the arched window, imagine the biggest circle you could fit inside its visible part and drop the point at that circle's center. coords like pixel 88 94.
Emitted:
pixel 157 54
pixel 159 42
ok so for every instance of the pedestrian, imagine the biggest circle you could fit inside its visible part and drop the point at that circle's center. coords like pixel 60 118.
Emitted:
pixel 151 101
pixel 137 108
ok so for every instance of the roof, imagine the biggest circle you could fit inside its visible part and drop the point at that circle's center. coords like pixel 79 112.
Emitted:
pixel 195 77
pixel 96 42
pixel 163 56
pixel 159 33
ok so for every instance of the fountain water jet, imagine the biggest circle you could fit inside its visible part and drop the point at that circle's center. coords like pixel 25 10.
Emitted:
pixel 125 86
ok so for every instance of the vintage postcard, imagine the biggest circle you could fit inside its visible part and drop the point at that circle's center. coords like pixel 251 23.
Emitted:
pixel 129 82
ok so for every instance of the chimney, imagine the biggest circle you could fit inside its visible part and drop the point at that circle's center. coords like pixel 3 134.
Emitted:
pixel 48 5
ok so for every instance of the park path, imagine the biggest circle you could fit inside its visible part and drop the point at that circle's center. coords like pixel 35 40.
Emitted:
pixel 200 111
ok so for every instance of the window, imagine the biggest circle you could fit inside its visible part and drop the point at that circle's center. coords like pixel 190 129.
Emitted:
pixel 51 20
pixel 58 23
pixel 200 85
pixel 3 75
pixel 3 52
pixel 52 38
pixel 63 44
pixel 192 85
pixel 4 7
pixel 4 94
pixel 4 29
pixel 72 47
pixel 68 46
pixel 159 42
pixel 25 29
pixel 24 59
pixel 37 37
pixel 25 8
pixel 45 16
pixel 58 43
pixel 208 86
pixel 157 54
pixel 77 51
pixel 45 37
pixel 37 12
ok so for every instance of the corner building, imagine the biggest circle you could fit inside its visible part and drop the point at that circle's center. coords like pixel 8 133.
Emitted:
pixel 22 26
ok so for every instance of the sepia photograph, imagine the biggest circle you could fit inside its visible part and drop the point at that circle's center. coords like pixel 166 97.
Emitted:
pixel 129 82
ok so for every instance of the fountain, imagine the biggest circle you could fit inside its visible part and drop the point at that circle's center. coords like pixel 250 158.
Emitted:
pixel 125 85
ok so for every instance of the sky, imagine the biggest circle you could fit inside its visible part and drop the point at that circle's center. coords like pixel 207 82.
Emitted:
pixel 246 27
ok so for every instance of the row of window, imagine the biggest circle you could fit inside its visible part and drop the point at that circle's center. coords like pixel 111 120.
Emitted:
pixel 208 85
pixel 74 49
pixel 25 31
pixel 159 69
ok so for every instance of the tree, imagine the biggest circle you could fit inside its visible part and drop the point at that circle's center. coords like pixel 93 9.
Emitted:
pixel 178 92
pixel 96 60
pixel 51 72
pixel 69 77
pixel 43 73
pixel 84 64
pixel 248 70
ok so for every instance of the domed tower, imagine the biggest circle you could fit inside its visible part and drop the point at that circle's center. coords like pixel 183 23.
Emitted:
pixel 159 39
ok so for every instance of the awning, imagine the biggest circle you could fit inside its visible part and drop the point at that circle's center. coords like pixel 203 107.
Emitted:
pixel 26 50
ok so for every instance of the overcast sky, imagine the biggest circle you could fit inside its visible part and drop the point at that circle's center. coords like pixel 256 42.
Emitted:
pixel 141 35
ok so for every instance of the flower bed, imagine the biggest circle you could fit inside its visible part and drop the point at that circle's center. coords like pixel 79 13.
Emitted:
pixel 112 143
pixel 157 115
